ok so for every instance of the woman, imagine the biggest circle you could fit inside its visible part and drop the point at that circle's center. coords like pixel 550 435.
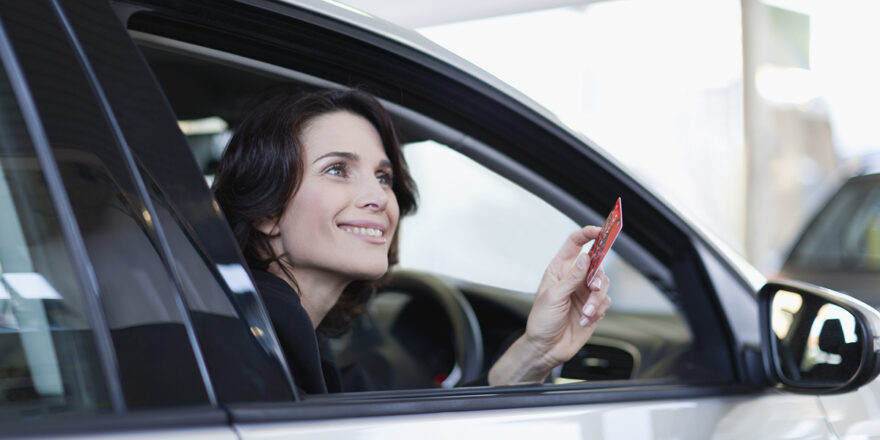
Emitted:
pixel 314 186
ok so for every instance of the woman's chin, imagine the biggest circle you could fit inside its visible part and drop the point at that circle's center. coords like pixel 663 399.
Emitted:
pixel 369 273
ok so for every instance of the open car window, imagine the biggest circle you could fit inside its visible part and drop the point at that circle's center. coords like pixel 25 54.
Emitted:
pixel 493 239
pixel 478 229
pixel 477 226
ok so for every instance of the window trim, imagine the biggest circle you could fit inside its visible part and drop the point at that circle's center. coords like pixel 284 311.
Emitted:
pixel 415 402
pixel 660 232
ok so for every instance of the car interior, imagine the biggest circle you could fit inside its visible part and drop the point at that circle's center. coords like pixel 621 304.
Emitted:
pixel 403 340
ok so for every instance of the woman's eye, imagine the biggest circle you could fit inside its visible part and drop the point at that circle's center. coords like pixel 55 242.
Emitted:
pixel 336 169
pixel 384 179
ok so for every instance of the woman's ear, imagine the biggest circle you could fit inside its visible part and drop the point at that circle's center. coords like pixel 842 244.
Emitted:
pixel 268 226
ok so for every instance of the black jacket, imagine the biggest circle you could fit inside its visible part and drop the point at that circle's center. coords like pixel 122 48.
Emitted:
pixel 308 354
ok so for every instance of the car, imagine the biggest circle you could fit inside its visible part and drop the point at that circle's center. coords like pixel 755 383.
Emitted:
pixel 840 246
pixel 126 307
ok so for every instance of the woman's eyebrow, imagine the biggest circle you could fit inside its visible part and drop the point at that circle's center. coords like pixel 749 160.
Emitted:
pixel 342 154
pixel 384 163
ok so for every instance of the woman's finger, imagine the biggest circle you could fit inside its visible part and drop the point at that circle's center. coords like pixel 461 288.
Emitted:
pixel 598 279
pixel 598 300
pixel 576 240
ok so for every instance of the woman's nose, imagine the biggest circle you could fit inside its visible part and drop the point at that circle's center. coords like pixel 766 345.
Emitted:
pixel 373 195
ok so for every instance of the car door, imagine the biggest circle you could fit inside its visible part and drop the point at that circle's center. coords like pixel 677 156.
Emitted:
pixel 319 44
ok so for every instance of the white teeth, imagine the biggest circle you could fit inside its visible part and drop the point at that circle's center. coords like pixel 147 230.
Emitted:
pixel 363 231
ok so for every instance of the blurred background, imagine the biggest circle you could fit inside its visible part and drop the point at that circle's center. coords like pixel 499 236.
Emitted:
pixel 746 114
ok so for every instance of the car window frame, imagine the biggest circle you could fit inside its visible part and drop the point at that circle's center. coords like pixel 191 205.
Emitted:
pixel 217 27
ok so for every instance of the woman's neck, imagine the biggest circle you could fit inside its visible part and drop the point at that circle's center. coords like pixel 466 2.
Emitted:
pixel 318 291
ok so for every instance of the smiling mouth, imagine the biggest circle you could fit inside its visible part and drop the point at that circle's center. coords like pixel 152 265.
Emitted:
pixel 369 232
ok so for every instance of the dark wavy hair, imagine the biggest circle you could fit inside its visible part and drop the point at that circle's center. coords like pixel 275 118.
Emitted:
pixel 262 169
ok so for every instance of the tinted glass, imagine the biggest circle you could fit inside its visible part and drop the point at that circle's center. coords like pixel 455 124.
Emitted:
pixel 846 234
pixel 48 362
pixel 232 330
pixel 232 336
pixel 142 305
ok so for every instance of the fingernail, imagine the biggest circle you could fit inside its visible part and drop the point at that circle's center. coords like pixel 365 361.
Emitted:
pixel 596 284
pixel 589 309
pixel 582 261
pixel 584 321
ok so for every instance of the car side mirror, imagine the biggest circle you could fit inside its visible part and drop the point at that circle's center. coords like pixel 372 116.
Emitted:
pixel 816 340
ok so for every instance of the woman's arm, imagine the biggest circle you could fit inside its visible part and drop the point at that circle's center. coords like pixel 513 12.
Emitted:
pixel 563 316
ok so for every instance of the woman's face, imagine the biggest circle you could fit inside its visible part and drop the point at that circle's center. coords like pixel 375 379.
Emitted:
pixel 342 218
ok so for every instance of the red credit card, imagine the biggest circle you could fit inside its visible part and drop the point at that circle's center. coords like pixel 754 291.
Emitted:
pixel 602 244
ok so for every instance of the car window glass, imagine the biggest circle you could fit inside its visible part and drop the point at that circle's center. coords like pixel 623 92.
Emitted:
pixel 48 360
pixel 846 235
pixel 475 225
pixel 137 292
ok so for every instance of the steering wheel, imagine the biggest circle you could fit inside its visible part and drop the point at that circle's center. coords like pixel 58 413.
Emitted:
pixel 402 341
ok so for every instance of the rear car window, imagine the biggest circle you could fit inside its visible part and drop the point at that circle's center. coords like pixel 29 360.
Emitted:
pixel 48 360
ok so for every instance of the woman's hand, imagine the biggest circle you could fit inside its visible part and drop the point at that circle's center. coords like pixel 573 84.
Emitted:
pixel 563 316
pixel 566 310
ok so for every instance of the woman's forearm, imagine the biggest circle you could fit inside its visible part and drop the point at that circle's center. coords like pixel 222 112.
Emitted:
pixel 522 363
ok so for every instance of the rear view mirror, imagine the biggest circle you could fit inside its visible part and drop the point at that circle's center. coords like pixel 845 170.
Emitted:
pixel 816 340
